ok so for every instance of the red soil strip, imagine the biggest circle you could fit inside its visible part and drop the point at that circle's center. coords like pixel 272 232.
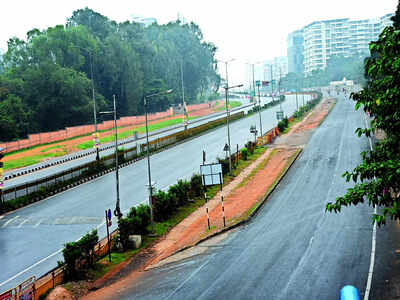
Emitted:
pixel 71 145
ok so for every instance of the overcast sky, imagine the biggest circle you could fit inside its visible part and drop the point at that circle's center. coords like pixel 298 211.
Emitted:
pixel 248 31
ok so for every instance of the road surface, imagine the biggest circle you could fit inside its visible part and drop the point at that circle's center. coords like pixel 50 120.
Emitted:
pixel 31 238
pixel 292 249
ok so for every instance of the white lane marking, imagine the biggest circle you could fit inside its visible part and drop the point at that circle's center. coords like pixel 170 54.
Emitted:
pixel 9 221
pixel 373 248
pixel 190 277
pixel 27 269
pixel 38 223
pixel 51 255
pixel 23 222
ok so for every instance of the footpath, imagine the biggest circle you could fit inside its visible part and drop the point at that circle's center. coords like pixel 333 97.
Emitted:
pixel 243 196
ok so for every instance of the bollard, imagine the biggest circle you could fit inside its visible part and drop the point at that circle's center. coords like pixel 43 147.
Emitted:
pixel 349 292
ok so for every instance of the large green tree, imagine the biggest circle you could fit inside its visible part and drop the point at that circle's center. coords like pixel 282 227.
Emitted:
pixel 50 72
pixel 377 178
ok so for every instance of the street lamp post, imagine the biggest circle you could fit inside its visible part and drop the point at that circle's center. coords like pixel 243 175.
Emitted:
pixel 227 123
pixel 145 100
pixel 185 121
pixel 93 98
pixel 117 211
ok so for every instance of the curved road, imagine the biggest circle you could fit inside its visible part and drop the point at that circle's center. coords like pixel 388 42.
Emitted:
pixel 292 249
pixel 31 238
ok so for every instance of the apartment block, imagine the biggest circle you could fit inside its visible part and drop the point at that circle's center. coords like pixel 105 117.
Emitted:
pixel 323 39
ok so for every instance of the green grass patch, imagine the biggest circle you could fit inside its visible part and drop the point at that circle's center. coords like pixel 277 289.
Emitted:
pixel 103 265
pixel 129 133
pixel 232 103
pixel 160 228
pixel 29 160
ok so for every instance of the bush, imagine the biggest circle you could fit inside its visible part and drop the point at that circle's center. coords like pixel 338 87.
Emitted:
pixel 196 186
pixel 165 204
pixel 250 146
pixel 224 164
pixel 135 222
pixel 140 217
pixel 78 254
pixel 245 153
pixel 181 191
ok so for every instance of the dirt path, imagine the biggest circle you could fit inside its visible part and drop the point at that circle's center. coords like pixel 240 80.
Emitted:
pixel 70 146
pixel 240 199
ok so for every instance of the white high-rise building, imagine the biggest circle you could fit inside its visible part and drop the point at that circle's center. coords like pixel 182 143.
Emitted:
pixel 323 39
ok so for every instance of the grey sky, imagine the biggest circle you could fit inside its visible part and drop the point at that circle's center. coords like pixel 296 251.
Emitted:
pixel 244 30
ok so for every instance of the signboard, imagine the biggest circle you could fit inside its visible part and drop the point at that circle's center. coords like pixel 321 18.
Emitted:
pixel 279 115
pixel 265 83
pixel 211 174
pixel 109 217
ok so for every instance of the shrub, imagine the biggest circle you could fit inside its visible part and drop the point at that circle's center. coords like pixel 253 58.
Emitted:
pixel 78 254
pixel 165 204
pixel 224 164
pixel 181 191
pixel 245 153
pixel 196 186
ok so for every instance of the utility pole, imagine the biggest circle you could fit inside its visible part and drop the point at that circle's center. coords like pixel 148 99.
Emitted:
pixel 297 102
pixel 185 123
pixel 259 110
pixel 272 85
pixel 254 86
pixel 117 211
pixel 279 89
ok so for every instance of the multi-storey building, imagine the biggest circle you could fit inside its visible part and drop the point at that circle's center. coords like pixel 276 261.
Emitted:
pixel 323 39
pixel 295 44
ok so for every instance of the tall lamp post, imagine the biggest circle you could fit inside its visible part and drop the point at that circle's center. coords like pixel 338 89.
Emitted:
pixel 117 211
pixel 185 119
pixel 94 100
pixel 145 100
pixel 254 91
pixel 227 122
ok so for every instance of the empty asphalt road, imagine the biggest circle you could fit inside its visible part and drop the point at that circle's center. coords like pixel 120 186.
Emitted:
pixel 31 237
pixel 292 249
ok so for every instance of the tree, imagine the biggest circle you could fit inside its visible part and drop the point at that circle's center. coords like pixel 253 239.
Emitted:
pixel 377 178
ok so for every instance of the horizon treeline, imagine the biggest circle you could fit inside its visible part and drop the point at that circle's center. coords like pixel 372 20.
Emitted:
pixel 45 80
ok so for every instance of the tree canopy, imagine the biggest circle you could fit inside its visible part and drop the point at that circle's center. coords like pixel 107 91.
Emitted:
pixel 48 75
pixel 377 178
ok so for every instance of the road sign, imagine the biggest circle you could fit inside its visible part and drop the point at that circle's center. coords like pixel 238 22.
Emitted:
pixel 210 174
pixel 279 115
pixel 109 214
pixel 258 82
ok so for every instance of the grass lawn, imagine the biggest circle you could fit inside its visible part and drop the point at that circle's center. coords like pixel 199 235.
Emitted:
pixel 34 159
pixel 128 133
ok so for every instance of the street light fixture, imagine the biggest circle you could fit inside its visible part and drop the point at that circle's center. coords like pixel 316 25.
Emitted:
pixel 117 211
pixel 145 100
pixel 94 100
pixel 227 122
